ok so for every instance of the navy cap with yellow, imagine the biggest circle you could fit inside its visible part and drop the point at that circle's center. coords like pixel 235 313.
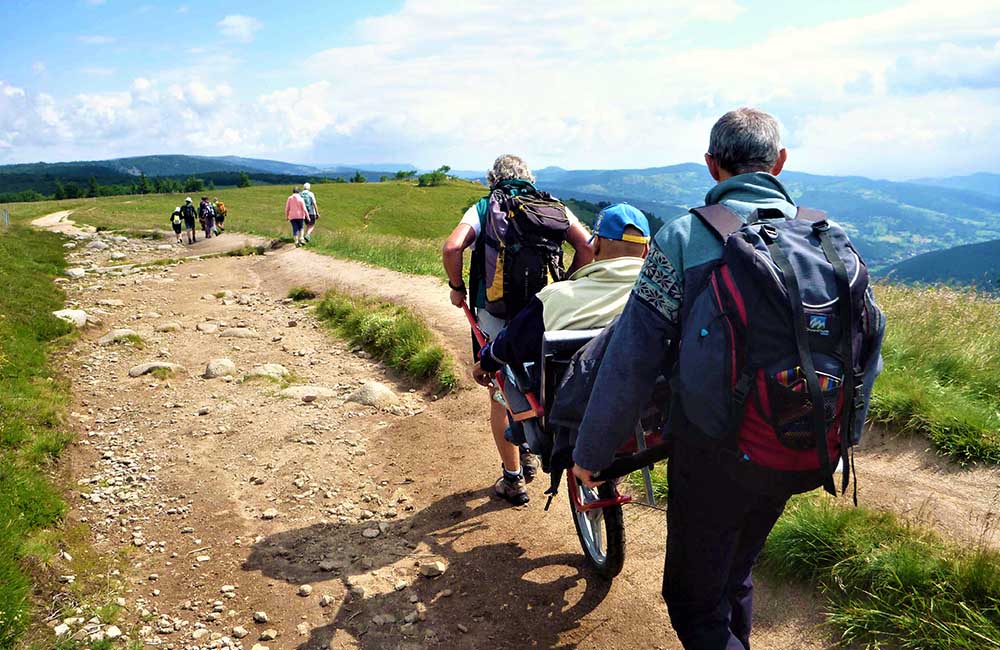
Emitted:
pixel 612 221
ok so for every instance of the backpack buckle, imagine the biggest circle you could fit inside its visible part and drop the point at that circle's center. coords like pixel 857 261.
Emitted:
pixel 821 226
pixel 742 388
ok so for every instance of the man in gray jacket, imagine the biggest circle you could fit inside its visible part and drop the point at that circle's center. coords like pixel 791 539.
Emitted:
pixel 717 522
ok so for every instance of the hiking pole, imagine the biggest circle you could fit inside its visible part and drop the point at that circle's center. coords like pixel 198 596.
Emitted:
pixel 498 377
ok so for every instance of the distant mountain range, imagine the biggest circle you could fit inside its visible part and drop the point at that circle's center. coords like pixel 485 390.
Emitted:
pixel 889 221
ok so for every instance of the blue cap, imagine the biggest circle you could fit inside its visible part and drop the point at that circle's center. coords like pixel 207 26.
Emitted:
pixel 612 220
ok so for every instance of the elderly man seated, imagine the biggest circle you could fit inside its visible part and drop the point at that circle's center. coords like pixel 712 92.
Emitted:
pixel 591 298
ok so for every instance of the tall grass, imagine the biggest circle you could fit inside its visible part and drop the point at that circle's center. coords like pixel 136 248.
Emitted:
pixel 32 400
pixel 942 370
pixel 390 333
pixel 888 582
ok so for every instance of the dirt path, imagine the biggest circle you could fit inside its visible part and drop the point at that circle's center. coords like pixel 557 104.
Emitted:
pixel 225 497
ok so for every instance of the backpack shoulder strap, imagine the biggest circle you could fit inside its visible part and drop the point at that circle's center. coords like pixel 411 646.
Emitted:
pixel 809 214
pixel 720 219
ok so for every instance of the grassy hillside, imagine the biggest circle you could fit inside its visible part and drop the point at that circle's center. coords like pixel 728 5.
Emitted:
pixel 942 370
pixel 31 406
pixel 973 264
pixel 392 224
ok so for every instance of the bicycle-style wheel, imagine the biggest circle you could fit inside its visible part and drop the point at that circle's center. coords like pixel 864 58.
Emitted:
pixel 601 531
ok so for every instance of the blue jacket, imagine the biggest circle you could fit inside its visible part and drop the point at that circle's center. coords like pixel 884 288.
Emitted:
pixel 645 338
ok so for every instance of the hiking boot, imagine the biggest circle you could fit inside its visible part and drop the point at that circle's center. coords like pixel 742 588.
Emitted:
pixel 511 490
pixel 529 465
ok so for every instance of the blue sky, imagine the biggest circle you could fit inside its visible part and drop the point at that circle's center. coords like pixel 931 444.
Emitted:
pixel 885 88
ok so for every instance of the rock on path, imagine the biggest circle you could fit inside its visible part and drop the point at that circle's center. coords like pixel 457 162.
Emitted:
pixel 116 335
pixel 150 366
pixel 375 394
pixel 75 317
pixel 219 368
pixel 304 391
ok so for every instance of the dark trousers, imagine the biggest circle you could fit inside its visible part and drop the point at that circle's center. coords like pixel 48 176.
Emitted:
pixel 716 528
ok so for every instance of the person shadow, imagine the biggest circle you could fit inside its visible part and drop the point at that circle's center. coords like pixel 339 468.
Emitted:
pixel 491 595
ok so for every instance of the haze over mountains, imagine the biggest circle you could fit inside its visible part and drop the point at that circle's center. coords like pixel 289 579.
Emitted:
pixel 889 221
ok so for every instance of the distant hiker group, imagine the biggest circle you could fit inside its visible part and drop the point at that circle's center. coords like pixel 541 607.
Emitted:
pixel 755 316
pixel 302 212
pixel 211 217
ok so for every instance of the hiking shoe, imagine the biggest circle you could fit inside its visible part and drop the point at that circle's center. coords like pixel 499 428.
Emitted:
pixel 529 465
pixel 511 490
pixel 308 238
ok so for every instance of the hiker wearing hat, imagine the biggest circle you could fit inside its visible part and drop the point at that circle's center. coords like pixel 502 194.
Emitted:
pixel 312 210
pixel 764 398
pixel 511 177
pixel 590 298
pixel 189 214
pixel 176 222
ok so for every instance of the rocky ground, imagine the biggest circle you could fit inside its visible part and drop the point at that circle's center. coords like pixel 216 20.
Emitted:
pixel 267 486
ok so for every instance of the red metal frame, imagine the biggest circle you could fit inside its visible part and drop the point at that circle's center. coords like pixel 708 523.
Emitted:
pixel 580 506
pixel 498 376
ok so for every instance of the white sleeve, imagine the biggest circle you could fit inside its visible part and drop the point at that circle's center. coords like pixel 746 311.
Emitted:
pixel 471 219
pixel 571 217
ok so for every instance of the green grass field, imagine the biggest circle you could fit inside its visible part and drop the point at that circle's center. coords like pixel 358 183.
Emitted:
pixel 888 584
pixel 32 401
pixel 942 370
pixel 393 224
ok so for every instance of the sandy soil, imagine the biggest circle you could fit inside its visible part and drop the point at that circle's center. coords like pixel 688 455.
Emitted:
pixel 182 471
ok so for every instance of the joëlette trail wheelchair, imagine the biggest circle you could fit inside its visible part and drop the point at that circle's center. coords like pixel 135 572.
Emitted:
pixel 529 393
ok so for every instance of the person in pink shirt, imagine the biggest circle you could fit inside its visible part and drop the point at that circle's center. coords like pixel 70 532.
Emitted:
pixel 296 213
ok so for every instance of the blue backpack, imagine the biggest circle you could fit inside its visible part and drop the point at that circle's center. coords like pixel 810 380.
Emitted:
pixel 770 349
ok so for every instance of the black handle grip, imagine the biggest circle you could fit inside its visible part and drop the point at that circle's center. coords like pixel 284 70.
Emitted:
pixel 628 464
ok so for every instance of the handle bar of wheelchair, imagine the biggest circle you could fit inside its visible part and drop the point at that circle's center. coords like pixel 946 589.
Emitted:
pixel 628 464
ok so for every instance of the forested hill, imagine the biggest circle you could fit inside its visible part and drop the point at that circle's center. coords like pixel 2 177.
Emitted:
pixel 972 264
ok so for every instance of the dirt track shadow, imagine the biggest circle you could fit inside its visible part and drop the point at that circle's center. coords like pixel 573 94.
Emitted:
pixel 500 597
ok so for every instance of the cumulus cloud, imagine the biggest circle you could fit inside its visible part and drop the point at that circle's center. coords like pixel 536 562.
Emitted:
pixel 903 92
pixel 239 28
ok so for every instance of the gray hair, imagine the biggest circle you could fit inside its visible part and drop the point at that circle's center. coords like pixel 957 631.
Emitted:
pixel 745 140
pixel 509 167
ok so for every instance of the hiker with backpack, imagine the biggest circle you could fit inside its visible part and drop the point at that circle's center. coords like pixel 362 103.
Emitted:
pixel 761 315
pixel 516 234
pixel 189 214
pixel 206 216
pixel 590 298
pixel 220 215
pixel 312 211
pixel 176 222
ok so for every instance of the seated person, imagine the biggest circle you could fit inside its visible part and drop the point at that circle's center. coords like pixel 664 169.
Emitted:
pixel 591 298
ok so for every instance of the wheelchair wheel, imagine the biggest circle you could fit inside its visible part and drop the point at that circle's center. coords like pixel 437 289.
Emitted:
pixel 601 531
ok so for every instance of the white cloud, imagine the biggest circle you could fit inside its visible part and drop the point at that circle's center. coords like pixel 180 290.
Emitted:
pixel 904 92
pixel 95 39
pixel 239 28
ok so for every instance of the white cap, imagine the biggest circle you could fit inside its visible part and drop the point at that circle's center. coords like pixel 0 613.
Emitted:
pixel 305 186
pixel 187 200
pixel 177 208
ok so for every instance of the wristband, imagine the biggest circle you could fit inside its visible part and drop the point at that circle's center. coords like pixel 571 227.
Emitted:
pixel 460 287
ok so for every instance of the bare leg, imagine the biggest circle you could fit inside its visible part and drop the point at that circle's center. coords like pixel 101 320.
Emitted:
pixel 509 454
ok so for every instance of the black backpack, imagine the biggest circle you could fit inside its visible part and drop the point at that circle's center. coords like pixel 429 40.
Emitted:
pixel 523 234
